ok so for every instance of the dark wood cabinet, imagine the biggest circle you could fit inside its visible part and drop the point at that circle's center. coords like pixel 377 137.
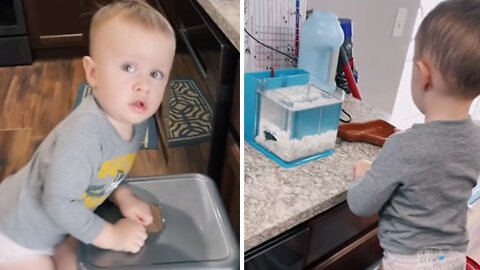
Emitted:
pixel 341 240
pixel 61 28
pixel 362 253
pixel 333 240
pixel 57 23
pixel 332 230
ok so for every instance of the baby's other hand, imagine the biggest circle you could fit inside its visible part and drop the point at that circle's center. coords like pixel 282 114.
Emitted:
pixel 129 236
pixel 361 167
pixel 136 210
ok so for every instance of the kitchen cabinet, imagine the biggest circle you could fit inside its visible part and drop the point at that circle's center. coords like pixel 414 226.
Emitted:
pixel 57 24
pixel 333 240
pixel 58 28
pixel 336 227
pixel 337 236
pixel 362 253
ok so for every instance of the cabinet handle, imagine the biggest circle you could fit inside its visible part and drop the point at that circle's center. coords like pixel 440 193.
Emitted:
pixel 69 38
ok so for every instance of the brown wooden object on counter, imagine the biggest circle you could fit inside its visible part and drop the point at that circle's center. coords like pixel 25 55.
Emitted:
pixel 158 223
pixel 375 132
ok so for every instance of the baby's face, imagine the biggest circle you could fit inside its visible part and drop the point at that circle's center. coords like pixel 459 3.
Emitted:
pixel 132 67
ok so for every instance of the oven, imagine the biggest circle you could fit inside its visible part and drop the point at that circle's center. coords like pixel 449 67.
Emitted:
pixel 214 60
pixel 14 47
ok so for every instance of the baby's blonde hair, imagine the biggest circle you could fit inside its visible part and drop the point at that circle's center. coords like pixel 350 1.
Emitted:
pixel 136 11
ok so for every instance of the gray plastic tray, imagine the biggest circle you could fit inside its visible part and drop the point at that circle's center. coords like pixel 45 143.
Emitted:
pixel 197 233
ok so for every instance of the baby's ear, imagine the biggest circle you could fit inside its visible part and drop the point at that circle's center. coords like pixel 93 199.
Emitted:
pixel 90 70
pixel 425 73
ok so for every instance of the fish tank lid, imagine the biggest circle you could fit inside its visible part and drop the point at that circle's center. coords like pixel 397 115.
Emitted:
pixel 300 97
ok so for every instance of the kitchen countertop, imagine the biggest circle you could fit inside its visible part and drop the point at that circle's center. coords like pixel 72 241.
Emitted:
pixel 226 14
pixel 277 199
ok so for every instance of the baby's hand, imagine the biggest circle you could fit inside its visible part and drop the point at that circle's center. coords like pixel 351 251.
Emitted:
pixel 361 167
pixel 136 210
pixel 129 236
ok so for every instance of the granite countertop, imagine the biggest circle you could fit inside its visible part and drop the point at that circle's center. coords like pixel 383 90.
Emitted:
pixel 226 14
pixel 277 199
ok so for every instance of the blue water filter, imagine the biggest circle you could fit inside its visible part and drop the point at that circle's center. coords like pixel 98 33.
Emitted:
pixel 320 39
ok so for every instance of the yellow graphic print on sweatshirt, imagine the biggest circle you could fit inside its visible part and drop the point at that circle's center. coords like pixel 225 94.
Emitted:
pixel 111 174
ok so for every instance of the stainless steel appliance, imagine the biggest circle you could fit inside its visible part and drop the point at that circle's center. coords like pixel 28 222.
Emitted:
pixel 14 47
pixel 287 252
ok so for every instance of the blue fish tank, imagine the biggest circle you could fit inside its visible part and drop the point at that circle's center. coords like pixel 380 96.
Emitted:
pixel 288 118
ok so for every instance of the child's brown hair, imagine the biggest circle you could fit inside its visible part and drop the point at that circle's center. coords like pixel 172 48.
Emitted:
pixel 450 36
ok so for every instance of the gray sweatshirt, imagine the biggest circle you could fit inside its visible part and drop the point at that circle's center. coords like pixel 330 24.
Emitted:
pixel 420 184
pixel 73 171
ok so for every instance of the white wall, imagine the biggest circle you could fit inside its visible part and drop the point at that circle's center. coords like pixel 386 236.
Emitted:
pixel 379 56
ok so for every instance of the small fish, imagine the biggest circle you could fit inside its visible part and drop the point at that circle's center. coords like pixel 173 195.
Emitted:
pixel 269 136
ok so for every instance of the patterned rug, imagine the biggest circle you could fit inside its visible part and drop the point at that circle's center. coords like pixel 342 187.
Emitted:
pixel 190 115
pixel 150 140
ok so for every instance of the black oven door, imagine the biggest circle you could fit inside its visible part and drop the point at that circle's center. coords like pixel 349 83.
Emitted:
pixel 11 18
pixel 14 45
pixel 286 252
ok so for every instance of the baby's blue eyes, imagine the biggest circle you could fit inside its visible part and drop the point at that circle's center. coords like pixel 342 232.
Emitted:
pixel 128 68
pixel 157 74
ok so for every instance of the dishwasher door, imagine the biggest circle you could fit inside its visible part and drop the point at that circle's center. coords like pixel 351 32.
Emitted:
pixel 214 56
pixel 213 61
pixel 286 253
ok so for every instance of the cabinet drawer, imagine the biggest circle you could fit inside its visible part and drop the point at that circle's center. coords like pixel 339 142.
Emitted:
pixel 333 229
pixel 361 254
pixel 49 28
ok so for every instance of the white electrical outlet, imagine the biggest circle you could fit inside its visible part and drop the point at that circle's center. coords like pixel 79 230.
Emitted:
pixel 399 23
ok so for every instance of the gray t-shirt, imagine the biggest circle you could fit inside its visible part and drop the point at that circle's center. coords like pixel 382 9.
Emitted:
pixel 74 170
pixel 420 184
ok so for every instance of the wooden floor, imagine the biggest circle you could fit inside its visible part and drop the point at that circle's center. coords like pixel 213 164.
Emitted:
pixel 33 99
